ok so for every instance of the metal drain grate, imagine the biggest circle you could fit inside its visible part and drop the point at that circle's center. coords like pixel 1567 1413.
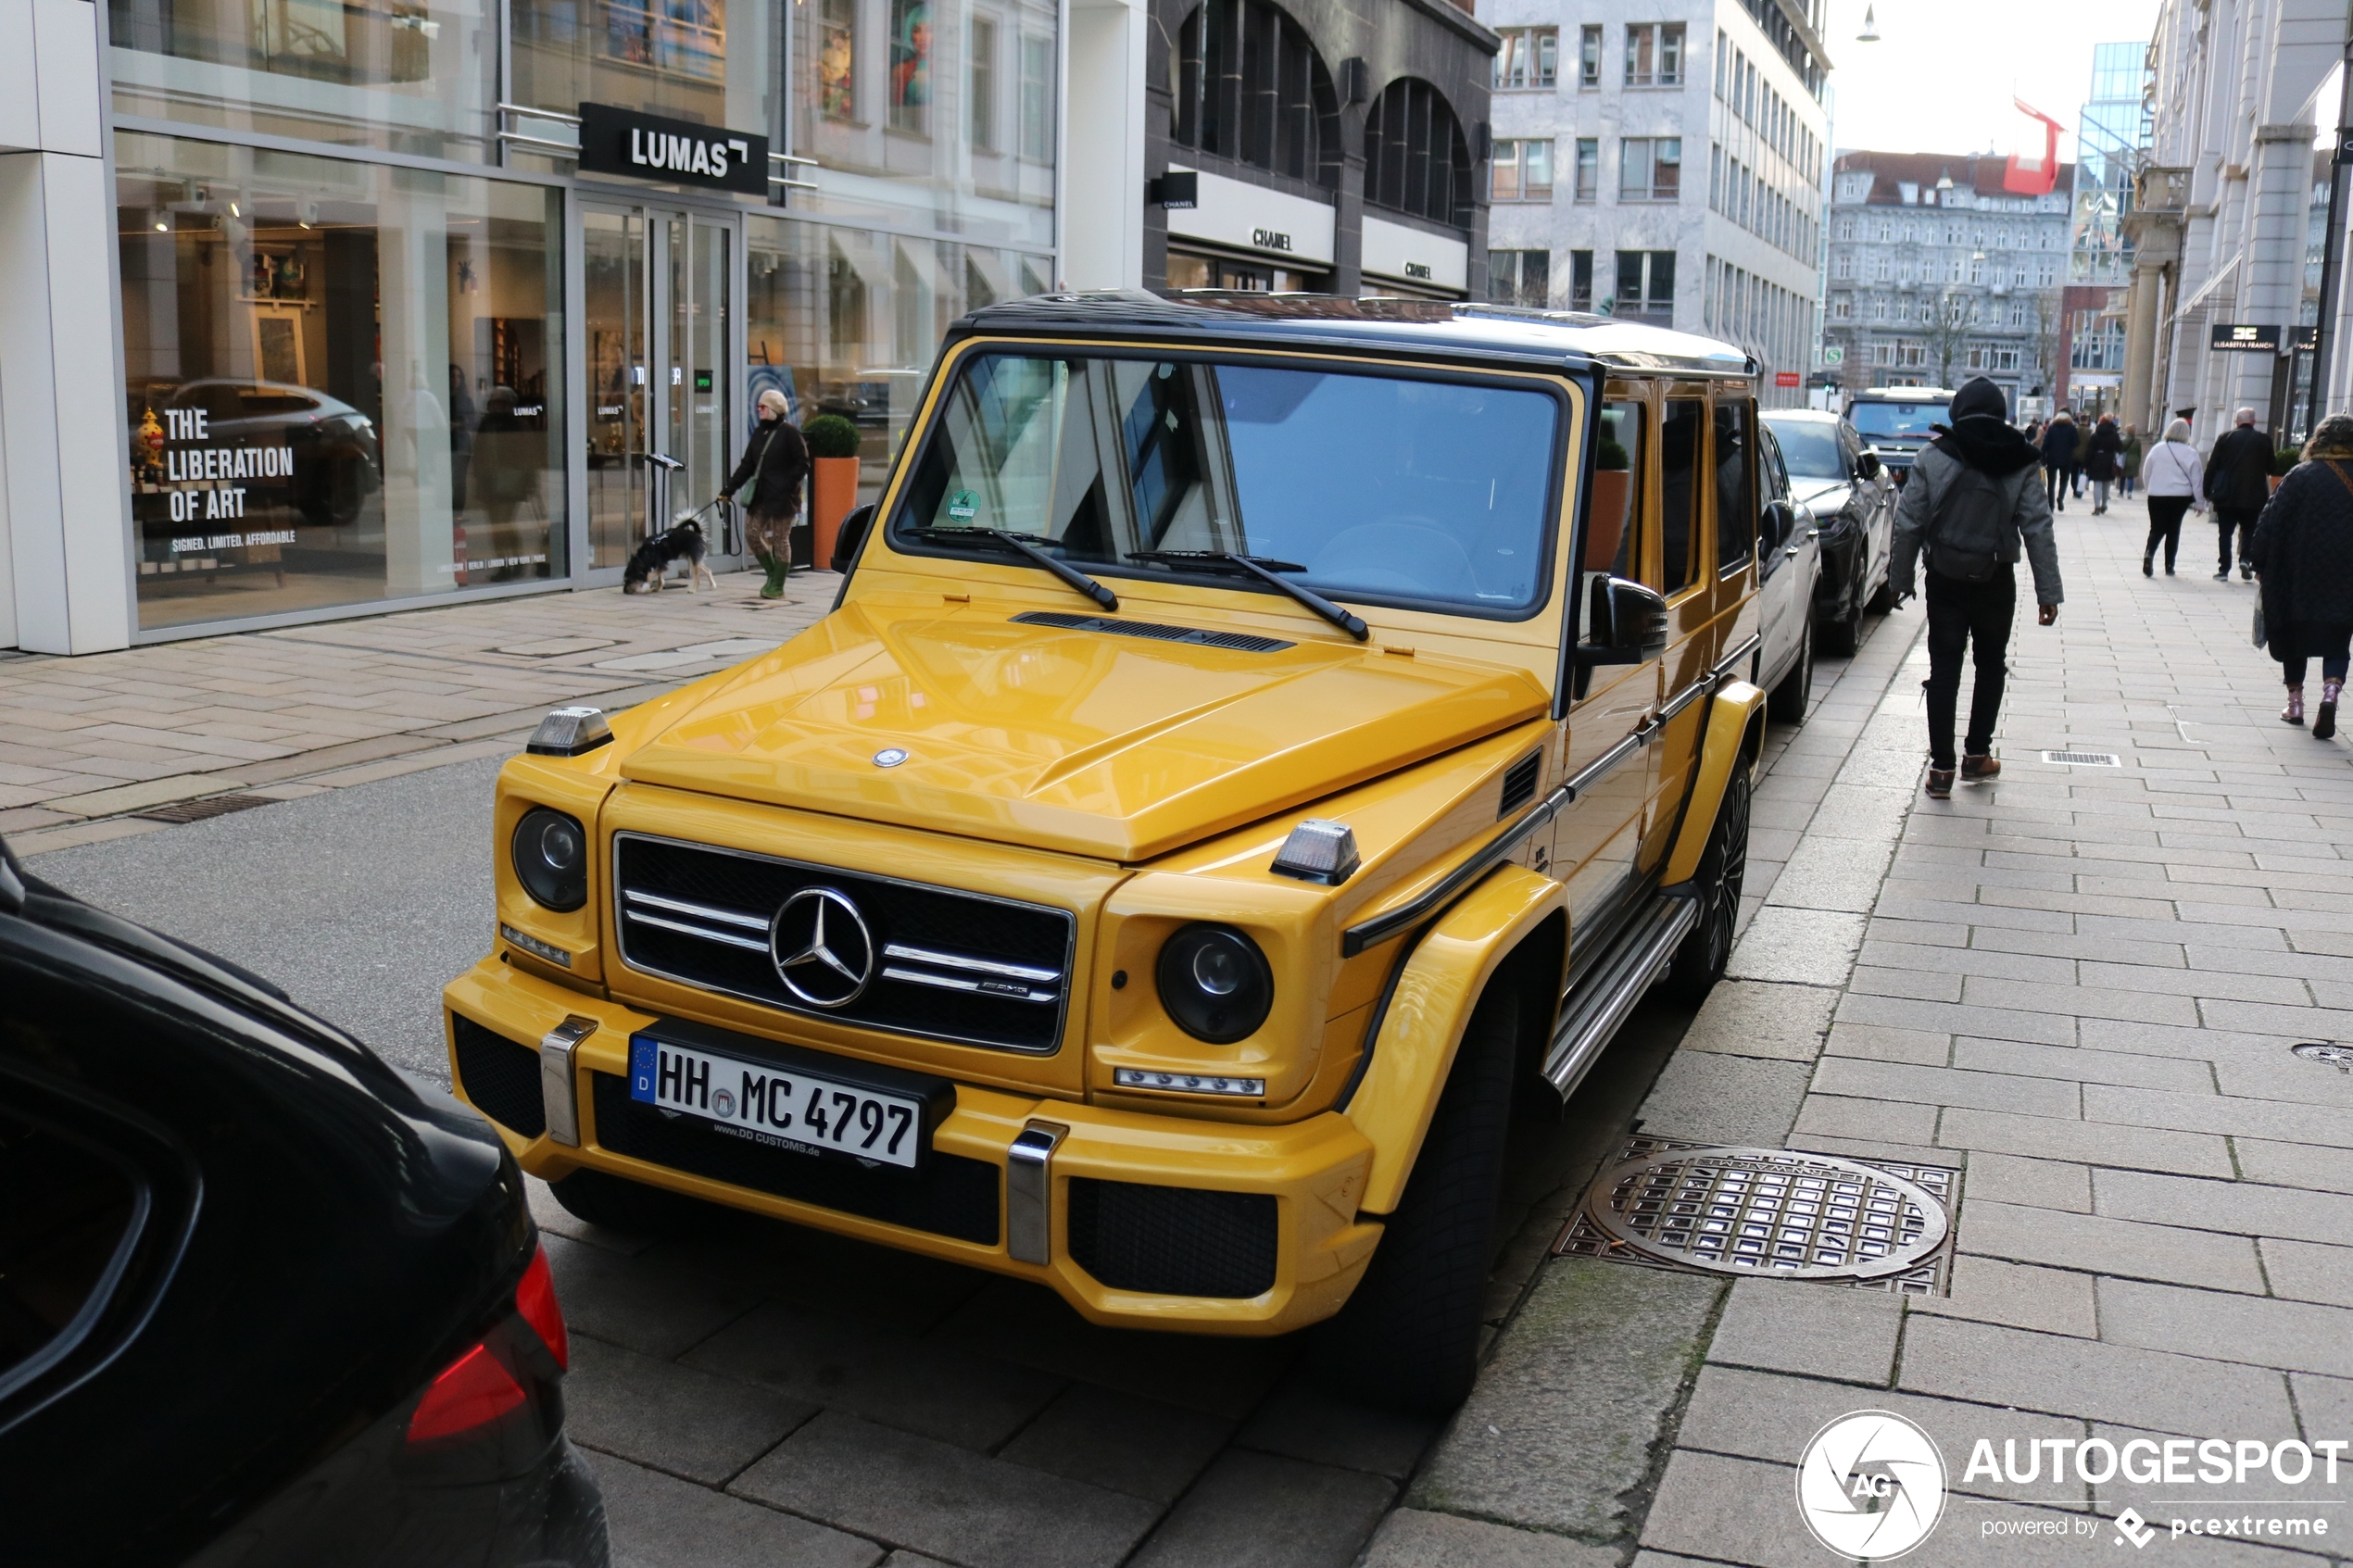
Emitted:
pixel 2083 758
pixel 2327 1053
pixel 1698 1209
pixel 209 805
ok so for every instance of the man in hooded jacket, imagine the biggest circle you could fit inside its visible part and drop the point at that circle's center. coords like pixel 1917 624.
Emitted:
pixel 1961 612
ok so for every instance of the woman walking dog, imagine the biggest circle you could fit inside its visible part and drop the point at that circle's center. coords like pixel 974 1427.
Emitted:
pixel 775 466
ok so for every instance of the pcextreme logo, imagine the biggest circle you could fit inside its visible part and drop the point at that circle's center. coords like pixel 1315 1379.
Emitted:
pixel 1871 1484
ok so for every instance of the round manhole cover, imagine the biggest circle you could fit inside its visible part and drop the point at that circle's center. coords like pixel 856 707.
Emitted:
pixel 1759 1211
pixel 2327 1053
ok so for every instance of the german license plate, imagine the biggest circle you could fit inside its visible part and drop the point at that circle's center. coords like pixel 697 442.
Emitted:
pixel 774 1105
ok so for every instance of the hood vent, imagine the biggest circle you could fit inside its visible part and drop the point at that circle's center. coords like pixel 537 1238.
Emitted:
pixel 1237 642
pixel 1519 783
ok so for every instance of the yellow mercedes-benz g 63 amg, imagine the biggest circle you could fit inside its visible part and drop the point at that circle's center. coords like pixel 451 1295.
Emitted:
pixel 1257 736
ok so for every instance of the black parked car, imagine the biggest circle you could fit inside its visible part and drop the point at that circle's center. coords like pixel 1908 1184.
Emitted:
pixel 1834 472
pixel 263 1301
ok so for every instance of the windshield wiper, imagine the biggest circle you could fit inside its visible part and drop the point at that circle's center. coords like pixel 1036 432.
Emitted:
pixel 1263 569
pixel 1027 545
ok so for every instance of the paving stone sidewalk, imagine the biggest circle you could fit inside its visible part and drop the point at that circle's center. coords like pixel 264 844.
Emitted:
pixel 86 743
pixel 2078 986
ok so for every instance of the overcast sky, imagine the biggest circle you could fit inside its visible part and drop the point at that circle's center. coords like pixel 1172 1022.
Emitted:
pixel 1941 78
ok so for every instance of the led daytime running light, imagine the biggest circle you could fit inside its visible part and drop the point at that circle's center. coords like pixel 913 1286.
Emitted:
pixel 1188 1083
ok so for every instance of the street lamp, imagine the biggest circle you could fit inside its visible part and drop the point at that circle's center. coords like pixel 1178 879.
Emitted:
pixel 1870 26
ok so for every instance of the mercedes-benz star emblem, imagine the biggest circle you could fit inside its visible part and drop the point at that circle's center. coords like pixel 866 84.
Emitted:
pixel 821 949
pixel 890 757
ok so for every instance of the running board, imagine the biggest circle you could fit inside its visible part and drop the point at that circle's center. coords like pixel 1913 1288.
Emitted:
pixel 1619 981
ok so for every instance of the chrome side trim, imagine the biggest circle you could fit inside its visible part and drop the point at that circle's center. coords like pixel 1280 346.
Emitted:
pixel 1029 1192
pixel 1618 982
pixel 1688 695
pixel 958 983
pixel 729 937
pixel 700 912
pixel 1724 665
pixel 978 966
pixel 1601 767
pixel 1381 928
pixel 559 1092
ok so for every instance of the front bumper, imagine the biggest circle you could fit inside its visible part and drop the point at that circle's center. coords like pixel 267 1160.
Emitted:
pixel 1149 1203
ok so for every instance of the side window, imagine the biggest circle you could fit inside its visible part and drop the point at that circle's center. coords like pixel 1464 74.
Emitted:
pixel 1613 525
pixel 1736 508
pixel 1679 489
pixel 69 1212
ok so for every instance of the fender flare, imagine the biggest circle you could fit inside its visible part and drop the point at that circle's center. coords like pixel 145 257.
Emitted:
pixel 1735 738
pixel 1420 1021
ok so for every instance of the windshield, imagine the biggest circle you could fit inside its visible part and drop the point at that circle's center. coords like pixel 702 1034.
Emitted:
pixel 1358 485
pixel 1811 448
pixel 1897 419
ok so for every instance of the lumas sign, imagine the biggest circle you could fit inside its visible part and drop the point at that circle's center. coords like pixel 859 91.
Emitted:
pixel 676 151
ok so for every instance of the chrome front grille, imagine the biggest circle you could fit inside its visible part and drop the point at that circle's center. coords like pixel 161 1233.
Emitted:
pixel 939 963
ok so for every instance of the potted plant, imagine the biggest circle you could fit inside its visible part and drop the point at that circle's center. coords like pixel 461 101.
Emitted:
pixel 833 467
pixel 1613 491
pixel 2283 462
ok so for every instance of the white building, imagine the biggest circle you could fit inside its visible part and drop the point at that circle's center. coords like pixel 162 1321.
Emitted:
pixel 1664 163
pixel 1938 272
pixel 2219 225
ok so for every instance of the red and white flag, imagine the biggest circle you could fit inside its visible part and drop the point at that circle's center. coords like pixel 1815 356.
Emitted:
pixel 2030 176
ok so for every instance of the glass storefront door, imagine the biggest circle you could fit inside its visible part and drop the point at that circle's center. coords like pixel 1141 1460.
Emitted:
pixel 662 372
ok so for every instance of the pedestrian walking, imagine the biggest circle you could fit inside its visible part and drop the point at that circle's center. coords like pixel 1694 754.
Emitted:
pixel 1973 500
pixel 2099 460
pixel 2173 475
pixel 2238 480
pixel 2060 441
pixel 2127 460
pixel 775 466
pixel 2304 550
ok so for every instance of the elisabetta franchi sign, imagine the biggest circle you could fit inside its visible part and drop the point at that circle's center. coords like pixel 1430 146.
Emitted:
pixel 675 152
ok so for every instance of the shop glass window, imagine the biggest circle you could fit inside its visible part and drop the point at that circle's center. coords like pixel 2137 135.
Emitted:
pixel 1679 457
pixel 1522 172
pixel 1589 56
pixel 1737 515
pixel 1038 100
pixel 1431 492
pixel 845 320
pixel 984 84
pixel 1654 55
pixel 344 380
pixel 1250 87
pixel 837 59
pixel 415 76
pixel 1529 57
pixel 1650 169
pixel 662 56
pixel 1519 277
pixel 909 66
pixel 1588 167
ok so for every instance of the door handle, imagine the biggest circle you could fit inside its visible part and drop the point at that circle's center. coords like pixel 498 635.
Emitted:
pixel 1793 549
pixel 667 464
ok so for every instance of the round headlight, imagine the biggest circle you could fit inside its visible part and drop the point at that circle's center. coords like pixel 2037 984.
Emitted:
pixel 1214 983
pixel 552 858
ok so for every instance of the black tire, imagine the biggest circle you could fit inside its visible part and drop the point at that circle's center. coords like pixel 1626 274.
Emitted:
pixel 1408 1338
pixel 1723 872
pixel 1786 704
pixel 609 1200
pixel 1882 599
pixel 1841 638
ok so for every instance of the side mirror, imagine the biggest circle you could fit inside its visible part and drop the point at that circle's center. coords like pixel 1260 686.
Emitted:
pixel 1628 624
pixel 1867 464
pixel 850 536
pixel 1774 526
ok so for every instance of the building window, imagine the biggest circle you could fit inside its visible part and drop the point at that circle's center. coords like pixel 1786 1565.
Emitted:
pixel 1883 354
pixel 1879 308
pixel 1415 159
pixel 1529 57
pixel 1842 307
pixel 1520 277
pixel 1588 167
pixel 1646 283
pixel 1037 99
pixel 1654 55
pixel 983 85
pixel 1522 172
pixel 1589 57
pixel 837 59
pixel 1650 169
pixel 1580 280
pixel 910 83
pixel 1250 87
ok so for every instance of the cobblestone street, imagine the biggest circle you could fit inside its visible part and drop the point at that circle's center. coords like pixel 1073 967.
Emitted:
pixel 2074 989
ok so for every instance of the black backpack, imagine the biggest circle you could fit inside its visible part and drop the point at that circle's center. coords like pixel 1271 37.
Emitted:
pixel 1970 535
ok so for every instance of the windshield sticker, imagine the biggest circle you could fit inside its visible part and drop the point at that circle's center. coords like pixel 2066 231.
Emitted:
pixel 963 506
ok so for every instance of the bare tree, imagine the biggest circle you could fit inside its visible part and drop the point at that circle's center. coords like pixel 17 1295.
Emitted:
pixel 2047 319
pixel 1947 330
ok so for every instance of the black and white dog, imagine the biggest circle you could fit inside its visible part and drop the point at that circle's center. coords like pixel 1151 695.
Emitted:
pixel 651 561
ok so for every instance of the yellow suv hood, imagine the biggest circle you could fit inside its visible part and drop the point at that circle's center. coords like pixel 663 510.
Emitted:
pixel 1117 746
